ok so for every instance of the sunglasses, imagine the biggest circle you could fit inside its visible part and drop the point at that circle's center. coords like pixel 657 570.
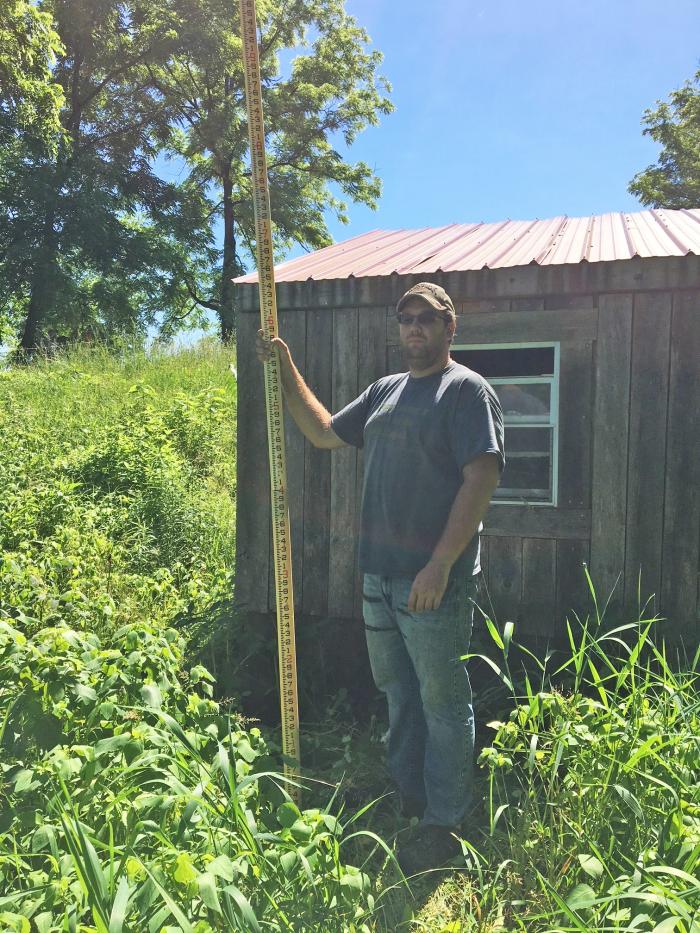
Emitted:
pixel 425 317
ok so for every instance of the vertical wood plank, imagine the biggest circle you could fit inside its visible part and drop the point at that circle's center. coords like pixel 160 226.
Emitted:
pixel 253 478
pixel 611 434
pixel 527 304
pixel 395 363
pixel 484 555
pixel 539 586
pixel 371 365
pixel 483 598
pixel 505 577
pixel 575 430
pixel 651 334
pixel 682 499
pixel 573 594
pixel 317 466
pixel 292 326
pixel 344 516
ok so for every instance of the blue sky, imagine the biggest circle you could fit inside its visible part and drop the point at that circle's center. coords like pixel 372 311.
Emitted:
pixel 514 109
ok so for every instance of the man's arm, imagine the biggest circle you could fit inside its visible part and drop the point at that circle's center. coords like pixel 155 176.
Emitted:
pixel 311 417
pixel 480 478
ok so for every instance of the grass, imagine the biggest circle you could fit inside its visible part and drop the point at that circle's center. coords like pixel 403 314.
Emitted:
pixel 132 799
pixel 118 473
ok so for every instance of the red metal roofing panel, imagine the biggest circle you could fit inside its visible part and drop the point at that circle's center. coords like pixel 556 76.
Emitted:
pixel 464 247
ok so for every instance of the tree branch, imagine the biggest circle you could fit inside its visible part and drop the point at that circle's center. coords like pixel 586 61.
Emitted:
pixel 212 305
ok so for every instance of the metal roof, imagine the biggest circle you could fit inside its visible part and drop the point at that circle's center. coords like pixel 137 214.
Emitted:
pixel 463 247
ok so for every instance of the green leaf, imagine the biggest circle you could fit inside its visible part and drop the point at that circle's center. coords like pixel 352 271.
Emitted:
pixel 187 814
pixel 86 693
pixel 301 830
pixel 112 744
pixel 43 838
pixel 120 906
pixel 666 926
pixel 631 801
pixel 243 908
pixel 591 865
pixel 494 667
pixel 43 922
pixel 352 880
pixel 581 897
pixel 19 923
pixel 494 633
pixel 172 906
pixel 151 696
pixel 185 870
pixel 287 814
pixel 222 867
pixel 207 891
pixel 23 780
pixel 246 750
pixel 289 862
pixel 508 629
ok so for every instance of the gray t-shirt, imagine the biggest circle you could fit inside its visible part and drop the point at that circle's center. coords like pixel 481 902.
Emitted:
pixel 418 433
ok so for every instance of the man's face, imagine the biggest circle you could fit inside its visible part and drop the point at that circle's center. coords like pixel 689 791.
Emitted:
pixel 424 342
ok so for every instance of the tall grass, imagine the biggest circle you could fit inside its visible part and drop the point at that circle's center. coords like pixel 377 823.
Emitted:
pixel 118 479
pixel 593 787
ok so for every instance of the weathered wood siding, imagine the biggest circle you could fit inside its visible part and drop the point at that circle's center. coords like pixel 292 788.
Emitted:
pixel 629 438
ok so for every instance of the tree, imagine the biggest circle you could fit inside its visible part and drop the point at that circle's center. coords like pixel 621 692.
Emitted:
pixel 327 95
pixel 30 99
pixel 91 239
pixel 674 181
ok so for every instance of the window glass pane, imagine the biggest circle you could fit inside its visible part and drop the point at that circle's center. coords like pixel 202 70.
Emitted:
pixel 524 401
pixel 527 477
pixel 528 465
pixel 528 441
pixel 515 361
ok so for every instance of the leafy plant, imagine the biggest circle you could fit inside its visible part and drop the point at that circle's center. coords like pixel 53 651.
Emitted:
pixel 593 786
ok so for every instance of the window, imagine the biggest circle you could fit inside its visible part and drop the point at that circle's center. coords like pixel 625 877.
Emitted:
pixel 526 379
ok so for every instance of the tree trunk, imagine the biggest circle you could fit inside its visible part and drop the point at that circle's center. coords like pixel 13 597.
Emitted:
pixel 227 311
pixel 43 279
pixel 41 292
pixel 35 316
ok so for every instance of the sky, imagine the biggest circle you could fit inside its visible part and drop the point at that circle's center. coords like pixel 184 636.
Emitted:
pixel 516 110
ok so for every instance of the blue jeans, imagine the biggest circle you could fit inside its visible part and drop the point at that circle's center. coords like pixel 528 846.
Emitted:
pixel 415 663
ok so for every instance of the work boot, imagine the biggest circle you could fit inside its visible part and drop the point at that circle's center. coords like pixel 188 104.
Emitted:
pixel 427 847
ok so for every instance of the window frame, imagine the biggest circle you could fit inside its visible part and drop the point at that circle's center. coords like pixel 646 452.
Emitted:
pixel 523 421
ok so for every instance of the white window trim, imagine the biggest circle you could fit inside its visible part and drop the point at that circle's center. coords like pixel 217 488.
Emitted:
pixel 553 380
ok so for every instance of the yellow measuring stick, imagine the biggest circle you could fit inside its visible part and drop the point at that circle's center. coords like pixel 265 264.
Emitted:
pixel 273 397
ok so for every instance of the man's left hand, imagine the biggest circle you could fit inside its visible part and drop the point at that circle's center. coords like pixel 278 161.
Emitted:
pixel 429 587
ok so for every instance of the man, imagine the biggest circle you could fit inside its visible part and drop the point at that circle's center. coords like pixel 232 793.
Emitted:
pixel 433 440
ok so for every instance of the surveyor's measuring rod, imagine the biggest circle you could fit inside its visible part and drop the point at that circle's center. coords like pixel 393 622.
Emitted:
pixel 282 545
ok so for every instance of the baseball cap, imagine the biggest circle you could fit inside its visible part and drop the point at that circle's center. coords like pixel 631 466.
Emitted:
pixel 432 294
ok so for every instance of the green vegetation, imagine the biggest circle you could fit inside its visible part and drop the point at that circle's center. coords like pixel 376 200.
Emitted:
pixel 131 800
pixel 118 479
pixel 96 238
pixel 674 181
pixel 134 798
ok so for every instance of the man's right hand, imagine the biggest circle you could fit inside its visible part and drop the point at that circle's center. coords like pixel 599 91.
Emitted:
pixel 312 418
pixel 264 347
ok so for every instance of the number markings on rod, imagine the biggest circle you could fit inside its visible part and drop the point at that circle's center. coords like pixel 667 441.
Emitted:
pixel 273 395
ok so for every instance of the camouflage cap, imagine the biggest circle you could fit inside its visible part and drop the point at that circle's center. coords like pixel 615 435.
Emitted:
pixel 432 294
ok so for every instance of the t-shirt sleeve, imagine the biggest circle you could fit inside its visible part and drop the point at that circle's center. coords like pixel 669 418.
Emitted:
pixel 477 425
pixel 349 422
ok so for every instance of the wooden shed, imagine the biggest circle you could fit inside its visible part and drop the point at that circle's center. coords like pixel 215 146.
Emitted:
pixel 589 330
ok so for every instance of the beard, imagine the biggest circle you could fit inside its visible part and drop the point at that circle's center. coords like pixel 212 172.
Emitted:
pixel 421 354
